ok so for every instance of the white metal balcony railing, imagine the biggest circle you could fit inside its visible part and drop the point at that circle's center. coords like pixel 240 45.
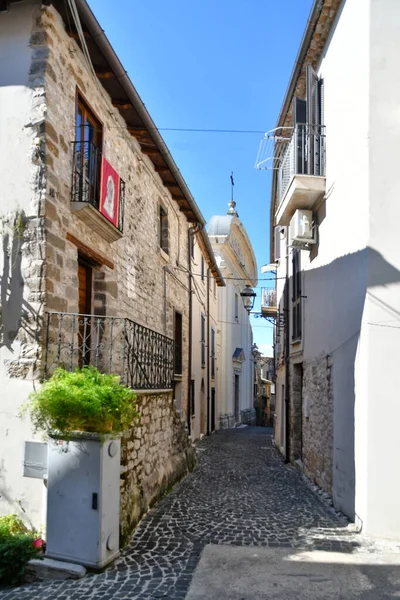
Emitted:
pixel 304 155
pixel 298 150
pixel 268 297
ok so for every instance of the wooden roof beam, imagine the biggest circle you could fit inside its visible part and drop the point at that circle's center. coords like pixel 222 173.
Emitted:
pixel 75 35
pixel 138 131
pixel 121 104
pixel 103 73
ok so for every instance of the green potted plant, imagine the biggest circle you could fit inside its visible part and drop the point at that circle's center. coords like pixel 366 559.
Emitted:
pixel 84 413
pixel 82 400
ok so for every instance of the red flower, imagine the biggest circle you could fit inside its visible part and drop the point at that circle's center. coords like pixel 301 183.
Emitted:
pixel 38 543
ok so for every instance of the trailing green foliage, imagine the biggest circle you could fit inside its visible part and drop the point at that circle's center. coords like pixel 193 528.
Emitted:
pixel 82 400
pixel 17 547
pixel 13 524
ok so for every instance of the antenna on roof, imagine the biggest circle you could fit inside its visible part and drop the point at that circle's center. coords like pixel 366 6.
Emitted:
pixel 231 211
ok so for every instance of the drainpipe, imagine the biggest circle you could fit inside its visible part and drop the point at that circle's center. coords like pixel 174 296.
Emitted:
pixel 208 351
pixel 191 232
pixel 165 299
pixel 287 356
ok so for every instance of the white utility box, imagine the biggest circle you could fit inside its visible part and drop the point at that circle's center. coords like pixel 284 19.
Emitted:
pixel 83 499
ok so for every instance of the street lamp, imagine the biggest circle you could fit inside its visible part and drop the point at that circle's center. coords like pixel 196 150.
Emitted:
pixel 248 296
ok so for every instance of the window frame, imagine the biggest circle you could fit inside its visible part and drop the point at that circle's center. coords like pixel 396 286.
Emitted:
pixel 203 340
pixel 163 229
pixel 296 296
pixel 212 352
pixel 87 163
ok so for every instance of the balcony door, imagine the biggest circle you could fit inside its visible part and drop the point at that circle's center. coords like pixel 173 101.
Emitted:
pixel 85 284
pixel 88 140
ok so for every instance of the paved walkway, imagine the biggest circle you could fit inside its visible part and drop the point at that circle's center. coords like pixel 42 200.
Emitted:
pixel 241 494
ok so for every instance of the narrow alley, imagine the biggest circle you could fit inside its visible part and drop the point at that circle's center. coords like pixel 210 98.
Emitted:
pixel 241 494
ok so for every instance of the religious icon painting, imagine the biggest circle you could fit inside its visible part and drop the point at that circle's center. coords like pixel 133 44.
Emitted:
pixel 109 192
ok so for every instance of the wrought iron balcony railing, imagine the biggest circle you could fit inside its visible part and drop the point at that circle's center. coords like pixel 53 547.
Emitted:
pixel 143 358
pixel 268 297
pixel 304 155
pixel 86 180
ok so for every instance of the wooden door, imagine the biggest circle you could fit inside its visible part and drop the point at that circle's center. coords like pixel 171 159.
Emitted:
pixel 85 276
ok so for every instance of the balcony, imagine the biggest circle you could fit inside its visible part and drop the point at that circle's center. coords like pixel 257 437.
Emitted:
pixel 268 302
pixel 143 358
pixel 98 193
pixel 301 175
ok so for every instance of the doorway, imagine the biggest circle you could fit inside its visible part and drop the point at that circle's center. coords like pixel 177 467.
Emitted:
pixel 212 409
pixel 237 381
pixel 203 413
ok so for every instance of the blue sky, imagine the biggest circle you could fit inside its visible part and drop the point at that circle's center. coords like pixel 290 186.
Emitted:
pixel 213 64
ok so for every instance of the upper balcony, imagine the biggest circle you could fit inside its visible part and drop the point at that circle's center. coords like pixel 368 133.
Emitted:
pixel 301 176
pixel 268 302
pixel 98 193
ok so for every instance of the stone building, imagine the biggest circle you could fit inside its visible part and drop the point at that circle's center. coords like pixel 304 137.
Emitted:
pixel 264 389
pixel 96 220
pixel 205 337
pixel 334 217
pixel 236 260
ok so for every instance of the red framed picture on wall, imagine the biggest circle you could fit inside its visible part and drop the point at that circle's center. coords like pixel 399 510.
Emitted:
pixel 109 192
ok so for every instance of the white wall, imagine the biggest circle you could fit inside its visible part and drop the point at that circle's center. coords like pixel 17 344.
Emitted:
pixel 382 516
pixel 333 309
pixel 19 106
pixel 234 334
pixel 199 373
pixel 16 107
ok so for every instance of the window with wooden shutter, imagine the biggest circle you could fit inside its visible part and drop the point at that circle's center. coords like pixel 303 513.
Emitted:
pixel 296 296
pixel 315 112
pixel 163 230
pixel 203 340
pixel 212 353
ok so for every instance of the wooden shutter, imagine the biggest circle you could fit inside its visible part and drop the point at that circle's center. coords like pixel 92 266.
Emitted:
pixel 313 99
pixel 85 288
pixel 299 111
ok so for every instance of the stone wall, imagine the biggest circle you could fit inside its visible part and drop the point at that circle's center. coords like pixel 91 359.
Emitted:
pixel 142 273
pixel 295 411
pixel 39 263
pixel 155 455
pixel 318 421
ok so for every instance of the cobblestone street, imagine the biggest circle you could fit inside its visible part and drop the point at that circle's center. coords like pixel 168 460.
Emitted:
pixel 241 494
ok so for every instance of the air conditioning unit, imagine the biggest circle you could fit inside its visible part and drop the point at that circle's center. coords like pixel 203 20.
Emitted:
pixel 302 230
pixel 279 236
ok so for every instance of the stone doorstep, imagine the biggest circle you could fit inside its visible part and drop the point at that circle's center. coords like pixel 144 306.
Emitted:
pixel 48 568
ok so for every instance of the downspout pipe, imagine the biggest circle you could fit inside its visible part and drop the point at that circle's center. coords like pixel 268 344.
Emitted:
pixel 208 351
pixel 287 358
pixel 191 232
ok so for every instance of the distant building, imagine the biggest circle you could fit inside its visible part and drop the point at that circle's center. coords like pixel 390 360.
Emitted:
pixel 264 389
pixel 206 280
pixel 237 263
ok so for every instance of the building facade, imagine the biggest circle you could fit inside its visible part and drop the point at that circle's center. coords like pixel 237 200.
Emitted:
pixel 334 215
pixel 237 263
pixel 206 281
pixel 95 256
